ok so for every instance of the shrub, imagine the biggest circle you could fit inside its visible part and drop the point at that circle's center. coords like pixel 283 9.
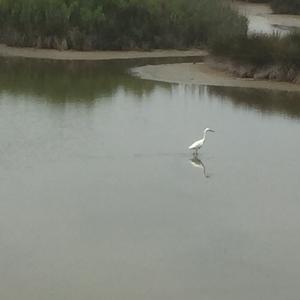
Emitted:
pixel 119 24
pixel 261 50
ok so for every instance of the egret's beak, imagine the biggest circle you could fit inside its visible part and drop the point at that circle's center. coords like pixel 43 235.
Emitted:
pixel 212 130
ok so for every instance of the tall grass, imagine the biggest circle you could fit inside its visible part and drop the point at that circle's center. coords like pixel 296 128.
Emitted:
pixel 261 50
pixel 116 24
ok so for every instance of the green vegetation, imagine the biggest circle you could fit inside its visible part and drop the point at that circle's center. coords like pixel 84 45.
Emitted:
pixel 146 24
pixel 116 24
pixel 261 50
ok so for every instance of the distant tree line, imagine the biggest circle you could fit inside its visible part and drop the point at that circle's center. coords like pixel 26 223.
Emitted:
pixel 117 24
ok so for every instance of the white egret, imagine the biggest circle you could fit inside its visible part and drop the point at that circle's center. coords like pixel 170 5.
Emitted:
pixel 198 144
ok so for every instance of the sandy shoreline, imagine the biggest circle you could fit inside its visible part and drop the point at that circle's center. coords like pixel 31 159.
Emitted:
pixel 203 74
pixel 94 55
pixel 199 73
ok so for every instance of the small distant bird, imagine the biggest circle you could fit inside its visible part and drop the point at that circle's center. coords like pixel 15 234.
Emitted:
pixel 198 144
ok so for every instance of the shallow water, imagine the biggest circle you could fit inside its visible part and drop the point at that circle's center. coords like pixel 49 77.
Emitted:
pixel 263 21
pixel 274 24
pixel 99 197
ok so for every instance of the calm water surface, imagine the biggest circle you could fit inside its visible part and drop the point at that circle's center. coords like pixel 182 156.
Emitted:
pixel 99 198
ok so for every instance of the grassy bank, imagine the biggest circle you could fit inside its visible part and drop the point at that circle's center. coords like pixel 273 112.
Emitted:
pixel 116 24
pixel 262 56
pixel 260 49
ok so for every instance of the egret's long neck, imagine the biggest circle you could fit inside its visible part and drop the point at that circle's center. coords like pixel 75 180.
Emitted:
pixel 204 135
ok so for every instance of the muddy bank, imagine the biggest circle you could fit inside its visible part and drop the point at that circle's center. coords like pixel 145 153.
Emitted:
pixel 270 72
pixel 205 74
pixel 94 55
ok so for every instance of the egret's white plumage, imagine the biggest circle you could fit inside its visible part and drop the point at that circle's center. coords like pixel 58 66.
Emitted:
pixel 198 144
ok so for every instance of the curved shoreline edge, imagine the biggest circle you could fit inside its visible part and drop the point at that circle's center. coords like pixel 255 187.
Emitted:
pixel 52 54
pixel 187 73
pixel 203 74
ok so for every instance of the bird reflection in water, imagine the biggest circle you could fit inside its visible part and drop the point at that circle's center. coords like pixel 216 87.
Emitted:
pixel 198 163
